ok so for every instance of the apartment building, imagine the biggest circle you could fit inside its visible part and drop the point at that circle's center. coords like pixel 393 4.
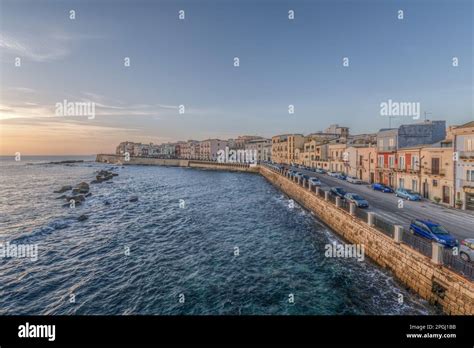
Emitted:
pixel 126 147
pixel 284 147
pixel 362 162
pixel 437 173
pixel 209 148
pixel 338 161
pixel 389 141
pixel 178 149
pixel 262 147
pixel 405 168
pixel 463 141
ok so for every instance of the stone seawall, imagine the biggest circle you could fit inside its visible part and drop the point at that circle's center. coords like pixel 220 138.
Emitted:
pixel 117 159
pixel 435 283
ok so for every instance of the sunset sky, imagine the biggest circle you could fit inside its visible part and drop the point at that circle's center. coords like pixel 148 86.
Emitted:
pixel 190 62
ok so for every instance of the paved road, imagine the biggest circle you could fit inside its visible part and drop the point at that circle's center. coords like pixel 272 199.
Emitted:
pixel 459 223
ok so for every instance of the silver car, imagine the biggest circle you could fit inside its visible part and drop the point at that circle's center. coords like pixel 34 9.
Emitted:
pixel 353 180
pixel 466 249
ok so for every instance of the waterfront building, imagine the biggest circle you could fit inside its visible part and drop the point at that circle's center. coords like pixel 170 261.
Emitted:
pixel 209 148
pixel 405 136
pixel 403 168
pixel 284 147
pixel 261 147
pixel 437 173
pixel 338 161
pixel 178 149
pixel 463 141
pixel 362 161
pixel 126 147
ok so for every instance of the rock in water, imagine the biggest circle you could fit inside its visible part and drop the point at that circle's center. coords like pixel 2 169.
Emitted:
pixel 64 189
pixel 133 199
pixel 83 187
pixel 82 218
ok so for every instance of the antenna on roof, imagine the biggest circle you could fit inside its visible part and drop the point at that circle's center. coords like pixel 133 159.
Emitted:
pixel 427 113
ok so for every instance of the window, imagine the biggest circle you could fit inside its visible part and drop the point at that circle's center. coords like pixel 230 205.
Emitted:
pixel 401 183
pixel 391 142
pixel 435 183
pixel 391 161
pixel 381 143
pixel 414 185
pixel 470 175
pixel 401 161
pixel 435 166
pixel 380 161
pixel 469 144
pixel 414 162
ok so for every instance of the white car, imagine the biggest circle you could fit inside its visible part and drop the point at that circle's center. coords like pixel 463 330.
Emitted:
pixel 315 181
pixel 333 174
pixel 353 180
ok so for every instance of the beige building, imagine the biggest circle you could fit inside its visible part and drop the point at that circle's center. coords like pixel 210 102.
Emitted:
pixel 463 141
pixel 362 162
pixel 437 173
pixel 337 160
pixel 209 148
pixel 262 147
pixel 284 147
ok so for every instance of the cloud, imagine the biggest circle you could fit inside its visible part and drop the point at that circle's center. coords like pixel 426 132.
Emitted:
pixel 51 46
pixel 26 49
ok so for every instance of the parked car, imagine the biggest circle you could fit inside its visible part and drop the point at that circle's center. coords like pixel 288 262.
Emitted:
pixel 353 180
pixel 338 191
pixel 341 176
pixel 433 231
pixel 333 174
pixel 315 181
pixel 407 194
pixel 466 249
pixel 299 175
pixel 320 171
pixel 357 200
pixel 305 176
pixel 382 187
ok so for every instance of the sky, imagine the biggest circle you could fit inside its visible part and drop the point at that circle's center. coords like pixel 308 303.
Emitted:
pixel 190 62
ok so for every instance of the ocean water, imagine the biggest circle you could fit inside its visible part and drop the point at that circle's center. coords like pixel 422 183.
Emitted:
pixel 180 260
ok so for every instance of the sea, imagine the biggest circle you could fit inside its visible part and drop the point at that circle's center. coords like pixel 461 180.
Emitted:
pixel 194 242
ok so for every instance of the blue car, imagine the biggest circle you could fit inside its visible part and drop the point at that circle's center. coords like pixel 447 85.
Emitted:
pixel 407 194
pixel 382 187
pixel 433 231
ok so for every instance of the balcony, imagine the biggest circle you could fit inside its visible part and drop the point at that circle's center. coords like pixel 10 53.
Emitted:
pixel 440 172
pixel 466 155
pixel 466 183
pixel 386 148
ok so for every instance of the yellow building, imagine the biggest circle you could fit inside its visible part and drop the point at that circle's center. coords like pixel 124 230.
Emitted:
pixel 463 140
pixel 437 173
pixel 284 147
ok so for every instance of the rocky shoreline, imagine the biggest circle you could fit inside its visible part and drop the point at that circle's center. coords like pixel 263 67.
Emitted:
pixel 76 195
